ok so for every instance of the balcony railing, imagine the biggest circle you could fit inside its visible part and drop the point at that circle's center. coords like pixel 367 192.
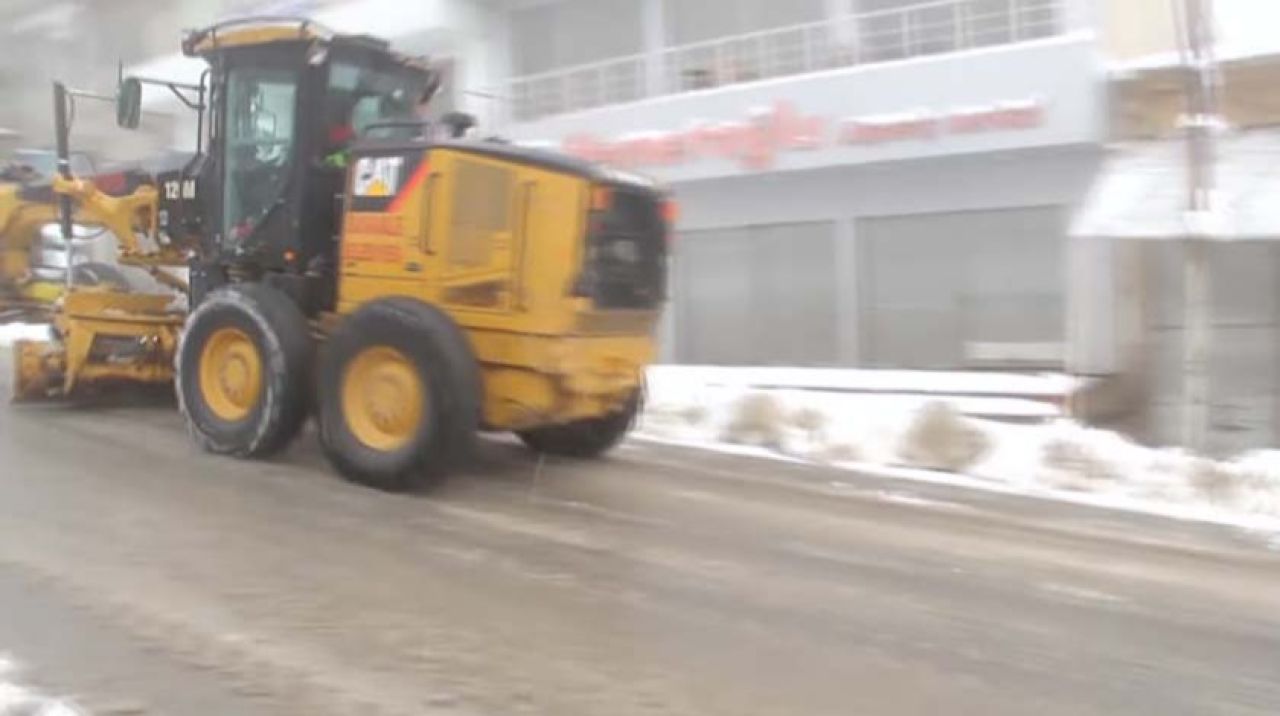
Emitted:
pixel 913 31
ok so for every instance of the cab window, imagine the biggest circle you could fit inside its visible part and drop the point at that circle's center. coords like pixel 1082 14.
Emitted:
pixel 259 145
pixel 360 97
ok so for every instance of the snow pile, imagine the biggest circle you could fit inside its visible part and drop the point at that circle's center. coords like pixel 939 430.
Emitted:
pixel 18 700
pixel 886 432
pixel 10 332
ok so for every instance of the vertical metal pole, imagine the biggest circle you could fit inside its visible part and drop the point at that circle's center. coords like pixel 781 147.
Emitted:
pixel 62 140
pixel 1197 289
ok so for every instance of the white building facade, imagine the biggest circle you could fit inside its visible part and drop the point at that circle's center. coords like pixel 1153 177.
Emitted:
pixel 877 183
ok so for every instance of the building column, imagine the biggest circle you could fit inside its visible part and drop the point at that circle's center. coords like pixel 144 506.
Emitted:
pixel 654 35
pixel 1092 308
pixel 847 289
pixel 668 323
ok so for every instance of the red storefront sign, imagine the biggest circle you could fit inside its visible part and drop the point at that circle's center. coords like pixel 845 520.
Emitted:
pixel 756 141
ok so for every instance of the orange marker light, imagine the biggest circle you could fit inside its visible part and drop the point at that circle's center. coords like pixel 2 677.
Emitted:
pixel 289 255
pixel 601 197
pixel 670 211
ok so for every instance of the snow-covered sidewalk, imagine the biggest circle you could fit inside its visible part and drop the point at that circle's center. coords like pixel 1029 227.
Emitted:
pixel 890 425
pixel 940 427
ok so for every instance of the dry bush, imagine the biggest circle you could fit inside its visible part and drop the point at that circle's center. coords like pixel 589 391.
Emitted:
pixel 1217 483
pixel 758 419
pixel 940 438
pixel 1075 464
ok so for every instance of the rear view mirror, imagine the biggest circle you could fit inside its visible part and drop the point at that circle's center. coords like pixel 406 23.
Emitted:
pixel 129 103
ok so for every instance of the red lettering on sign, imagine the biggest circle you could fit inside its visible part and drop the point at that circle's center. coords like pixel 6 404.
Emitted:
pixel 755 142
pixel 1011 116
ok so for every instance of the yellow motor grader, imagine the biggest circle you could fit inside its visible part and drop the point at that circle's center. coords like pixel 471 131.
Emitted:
pixel 403 283
pixel 34 256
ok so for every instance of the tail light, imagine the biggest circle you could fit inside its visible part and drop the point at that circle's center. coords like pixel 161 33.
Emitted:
pixel 601 198
pixel 670 213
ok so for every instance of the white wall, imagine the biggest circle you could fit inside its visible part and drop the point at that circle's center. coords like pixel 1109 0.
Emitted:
pixel 1060 75
pixel 992 181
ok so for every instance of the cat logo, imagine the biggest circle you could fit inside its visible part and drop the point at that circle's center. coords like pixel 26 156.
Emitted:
pixel 377 176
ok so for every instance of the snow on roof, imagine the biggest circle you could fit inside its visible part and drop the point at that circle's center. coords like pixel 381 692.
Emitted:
pixel 1169 60
pixel 1141 191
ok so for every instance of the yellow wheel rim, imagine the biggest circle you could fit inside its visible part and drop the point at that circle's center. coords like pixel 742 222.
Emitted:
pixel 382 398
pixel 230 374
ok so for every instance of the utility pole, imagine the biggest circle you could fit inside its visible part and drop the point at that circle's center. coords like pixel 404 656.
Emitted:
pixel 1201 119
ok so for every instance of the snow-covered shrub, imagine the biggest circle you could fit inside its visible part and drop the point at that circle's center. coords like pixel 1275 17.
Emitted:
pixel 1077 458
pixel 694 414
pixel 940 438
pixel 757 419
pixel 810 420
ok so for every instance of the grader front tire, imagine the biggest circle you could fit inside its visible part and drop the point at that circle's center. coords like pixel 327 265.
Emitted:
pixel 243 371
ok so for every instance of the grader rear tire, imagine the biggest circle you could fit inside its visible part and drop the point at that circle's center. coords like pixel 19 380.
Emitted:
pixel 243 371
pixel 588 438
pixel 399 402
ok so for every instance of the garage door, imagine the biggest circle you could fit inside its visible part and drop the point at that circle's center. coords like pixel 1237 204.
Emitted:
pixel 759 295
pixel 963 289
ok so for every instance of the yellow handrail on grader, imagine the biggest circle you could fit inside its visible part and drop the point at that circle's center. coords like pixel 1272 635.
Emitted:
pixel 404 284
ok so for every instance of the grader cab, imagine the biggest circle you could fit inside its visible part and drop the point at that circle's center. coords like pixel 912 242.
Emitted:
pixel 406 286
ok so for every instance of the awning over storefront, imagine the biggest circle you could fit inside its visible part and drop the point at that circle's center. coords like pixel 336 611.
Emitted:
pixel 1141 191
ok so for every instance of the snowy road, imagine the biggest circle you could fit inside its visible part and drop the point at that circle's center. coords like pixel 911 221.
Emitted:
pixel 136 571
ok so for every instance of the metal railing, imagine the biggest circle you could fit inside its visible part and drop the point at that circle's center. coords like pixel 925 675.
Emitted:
pixel 581 87
pixel 912 31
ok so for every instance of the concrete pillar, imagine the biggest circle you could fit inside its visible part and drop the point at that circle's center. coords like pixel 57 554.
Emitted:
pixel 668 329
pixel 1093 307
pixel 654 41
pixel 847 288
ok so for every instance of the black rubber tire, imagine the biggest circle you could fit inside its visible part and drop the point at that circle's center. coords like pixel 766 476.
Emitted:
pixel 440 352
pixel 283 340
pixel 588 438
